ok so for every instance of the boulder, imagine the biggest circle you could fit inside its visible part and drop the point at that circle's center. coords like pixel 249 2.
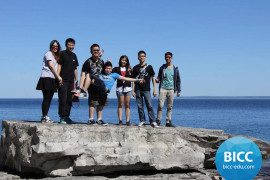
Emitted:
pixel 80 149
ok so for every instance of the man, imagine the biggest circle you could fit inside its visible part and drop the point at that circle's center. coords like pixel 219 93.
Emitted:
pixel 103 84
pixel 93 65
pixel 142 89
pixel 169 84
pixel 68 64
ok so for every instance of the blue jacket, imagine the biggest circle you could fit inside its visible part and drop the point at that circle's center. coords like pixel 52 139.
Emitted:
pixel 176 77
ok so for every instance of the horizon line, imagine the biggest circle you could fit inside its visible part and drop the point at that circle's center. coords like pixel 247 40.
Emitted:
pixel 152 97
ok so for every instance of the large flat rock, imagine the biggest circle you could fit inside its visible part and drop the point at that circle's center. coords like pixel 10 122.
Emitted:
pixel 80 149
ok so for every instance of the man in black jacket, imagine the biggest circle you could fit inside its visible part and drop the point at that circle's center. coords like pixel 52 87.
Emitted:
pixel 169 84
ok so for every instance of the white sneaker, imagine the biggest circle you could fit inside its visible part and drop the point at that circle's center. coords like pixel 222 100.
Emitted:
pixel 141 124
pixel 154 125
pixel 46 119
pixel 100 122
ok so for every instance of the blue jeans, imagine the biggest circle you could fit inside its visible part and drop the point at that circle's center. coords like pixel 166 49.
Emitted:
pixel 140 95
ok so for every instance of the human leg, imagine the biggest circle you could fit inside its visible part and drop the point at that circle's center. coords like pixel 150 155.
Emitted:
pixel 47 98
pixel 99 115
pixel 127 107
pixel 120 98
pixel 170 99
pixel 140 105
pixel 161 100
pixel 148 102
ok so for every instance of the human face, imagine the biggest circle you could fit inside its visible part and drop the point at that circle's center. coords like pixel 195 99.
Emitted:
pixel 70 46
pixel 95 52
pixel 123 62
pixel 168 59
pixel 55 47
pixel 142 58
pixel 108 70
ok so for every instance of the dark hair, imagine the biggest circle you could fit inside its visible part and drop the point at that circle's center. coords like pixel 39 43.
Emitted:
pixel 106 64
pixel 141 52
pixel 168 53
pixel 122 57
pixel 69 40
pixel 94 45
pixel 57 54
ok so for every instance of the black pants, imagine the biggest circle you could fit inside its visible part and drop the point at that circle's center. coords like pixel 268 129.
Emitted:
pixel 65 99
pixel 47 98
pixel 97 91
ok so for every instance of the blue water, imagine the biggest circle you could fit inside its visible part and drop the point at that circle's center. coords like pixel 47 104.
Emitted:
pixel 246 116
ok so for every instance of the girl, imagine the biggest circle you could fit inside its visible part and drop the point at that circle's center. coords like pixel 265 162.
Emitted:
pixel 123 88
pixel 48 79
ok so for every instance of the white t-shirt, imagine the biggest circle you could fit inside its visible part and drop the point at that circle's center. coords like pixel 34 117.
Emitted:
pixel 46 72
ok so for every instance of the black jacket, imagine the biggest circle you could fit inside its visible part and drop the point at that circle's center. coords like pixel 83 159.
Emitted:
pixel 176 77
pixel 122 83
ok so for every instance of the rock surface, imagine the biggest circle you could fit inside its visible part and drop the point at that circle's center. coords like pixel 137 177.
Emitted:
pixel 68 150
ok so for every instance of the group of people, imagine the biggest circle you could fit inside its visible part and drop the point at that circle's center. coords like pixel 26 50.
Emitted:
pixel 60 73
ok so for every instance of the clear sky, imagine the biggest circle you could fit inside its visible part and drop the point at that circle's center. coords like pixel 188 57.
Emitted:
pixel 221 47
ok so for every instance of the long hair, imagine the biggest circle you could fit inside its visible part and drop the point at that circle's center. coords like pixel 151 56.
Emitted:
pixel 122 57
pixel 57 54
pixel 128 67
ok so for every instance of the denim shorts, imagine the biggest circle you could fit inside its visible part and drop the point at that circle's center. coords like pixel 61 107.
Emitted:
pixel 123 93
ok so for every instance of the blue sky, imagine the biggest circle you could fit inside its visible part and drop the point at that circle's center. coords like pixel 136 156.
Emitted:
pixel 221 47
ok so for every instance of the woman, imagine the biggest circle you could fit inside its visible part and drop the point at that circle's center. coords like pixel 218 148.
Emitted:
pixel 123 88
pixel 48 79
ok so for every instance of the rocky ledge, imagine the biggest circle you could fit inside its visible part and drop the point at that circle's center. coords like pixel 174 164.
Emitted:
pixel 79 149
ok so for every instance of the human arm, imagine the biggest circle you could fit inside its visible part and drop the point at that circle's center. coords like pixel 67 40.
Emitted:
pixel 158 79
pixel 152 77
pixel 134 73
pixel 178 83
pixel 55 72
pixel 154 86
pixel 122 78
pixel 133 89
pixel 59 68
pixel 76 76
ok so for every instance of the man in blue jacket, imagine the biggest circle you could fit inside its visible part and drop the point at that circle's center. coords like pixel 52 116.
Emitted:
pixel 169 84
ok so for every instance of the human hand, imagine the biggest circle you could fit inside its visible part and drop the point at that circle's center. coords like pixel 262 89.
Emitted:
pixel 92 81
pixel 178 94
pixel 60 81
pixel 141 81
pixel 133 94
pixel 154 93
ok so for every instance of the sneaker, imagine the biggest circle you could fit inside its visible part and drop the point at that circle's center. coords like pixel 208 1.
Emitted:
pixel 120 123
pixel 128 123
pixel 169 124
pixel 100 122
pixel 62 121
pixel 74 91
pixel 78 89
pixel 91 121
pixel 46 119
pixel 154 125
pixel 141 124
pixel 83 94
pixel 158 122
pixel 69 121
